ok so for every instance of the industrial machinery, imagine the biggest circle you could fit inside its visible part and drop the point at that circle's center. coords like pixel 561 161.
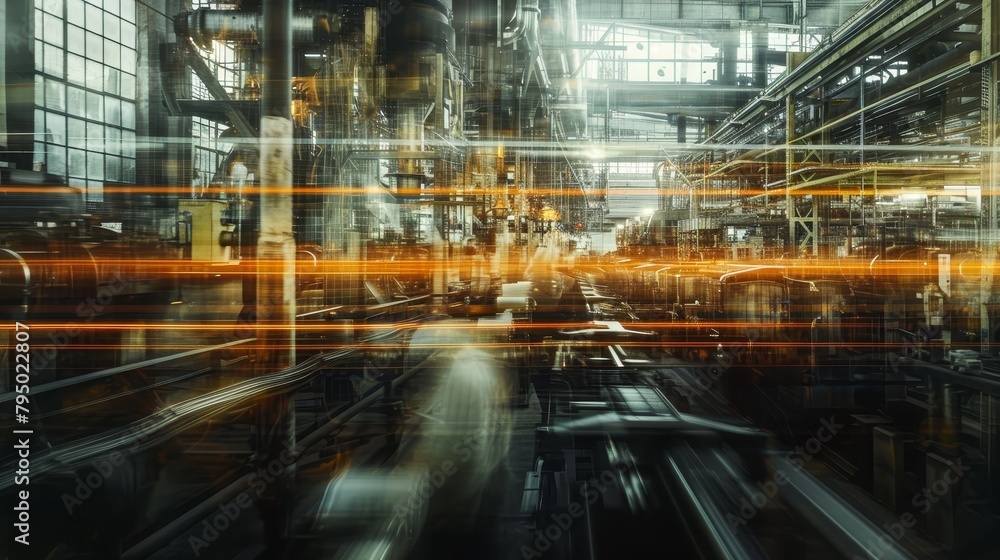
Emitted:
pixel 316 278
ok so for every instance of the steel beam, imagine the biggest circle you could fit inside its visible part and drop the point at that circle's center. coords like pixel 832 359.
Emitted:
pixel 207 76
pixel 991 163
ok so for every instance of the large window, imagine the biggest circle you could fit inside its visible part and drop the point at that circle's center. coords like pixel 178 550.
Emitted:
pixel 85 64
pixel 649 54
pixel 209 151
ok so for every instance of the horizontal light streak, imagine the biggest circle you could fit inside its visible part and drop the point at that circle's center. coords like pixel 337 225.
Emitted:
pixel 569 190
pixel 709 345
pixel 590 149
pixel 724 327
pixel 687 267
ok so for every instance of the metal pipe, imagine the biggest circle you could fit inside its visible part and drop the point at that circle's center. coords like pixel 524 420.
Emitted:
pixel 688 473
pixel 848 532
pixel 515 28
pixel 21 264
pixel 876 19
pixel 63 383
pixel 204 26
pixel 537 59
pixel 571 31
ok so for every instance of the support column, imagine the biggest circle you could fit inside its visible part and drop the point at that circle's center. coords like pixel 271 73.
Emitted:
pixel 990 166
pixel 805 218
pixel 990 405
pixel 276 265
pixel 791 211
pixel 759 58
pixel 727 65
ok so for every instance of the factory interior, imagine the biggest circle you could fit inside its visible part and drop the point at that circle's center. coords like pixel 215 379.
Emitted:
pixel 512 279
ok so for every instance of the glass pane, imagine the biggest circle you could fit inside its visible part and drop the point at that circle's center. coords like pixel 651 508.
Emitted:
pixel 39 25
pixel 128 143
pixel 128 11
pixel 55 95
pixel 95 166
pixel 77 162
pixel 112 111
pixel 95 74
pixel 128 60
pixel 76 70
pixel 113 143
pixel 75 12
pixel 39 152
pixel 112 80
pixel 128 115
pixel 128 86
pixel 54 60
pixel 112 53
pixel 39 90
pixel 637 71
pixel 113 168
pixel 38 55
pixel 95 19
pixel 665 72
pixel 77 183
pixel 55 128
pixel 95 47
pixel 128 170
pixel 56 160
pixel 76 101
pixel 40 124
pixel 76 132
pixel 53 7
pixel 54 30
pixel 95 107
pixel 128 34
pixel 95 137
pixel 95 191
pixel 111 25
pixel 75 40
pixel 112 6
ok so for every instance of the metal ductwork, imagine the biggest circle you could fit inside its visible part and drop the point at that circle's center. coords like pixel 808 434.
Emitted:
pixel 204 26
pixel 515 28
pixel 532 21
pixel 571 100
